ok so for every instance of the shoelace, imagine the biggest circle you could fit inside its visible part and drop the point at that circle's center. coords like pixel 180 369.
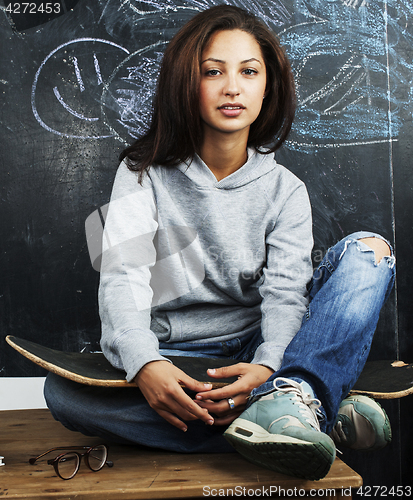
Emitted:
pixel 308 405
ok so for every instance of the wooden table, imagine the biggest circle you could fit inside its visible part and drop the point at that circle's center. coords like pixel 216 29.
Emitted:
pixel 142 473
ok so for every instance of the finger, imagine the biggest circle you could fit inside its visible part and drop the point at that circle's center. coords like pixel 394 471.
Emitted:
pixel 187 409
pixel 222 408
pixel 193 385
pixel 223 392
pixel 177 402
pixel 172 419
pixel 228 419
pixel 228 371
pixel 176 414
pixel 215 407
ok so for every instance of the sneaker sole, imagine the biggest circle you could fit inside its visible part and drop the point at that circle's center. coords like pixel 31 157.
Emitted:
pixel 279 453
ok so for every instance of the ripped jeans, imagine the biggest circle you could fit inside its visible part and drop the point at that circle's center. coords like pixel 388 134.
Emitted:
pixel 329 351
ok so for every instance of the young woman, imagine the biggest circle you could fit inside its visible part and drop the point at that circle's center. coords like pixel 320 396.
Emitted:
pixel 207 252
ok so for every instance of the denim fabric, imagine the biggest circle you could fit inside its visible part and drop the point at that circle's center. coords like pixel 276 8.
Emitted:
pixel 329 351
pixel 123 415
pixel 242 349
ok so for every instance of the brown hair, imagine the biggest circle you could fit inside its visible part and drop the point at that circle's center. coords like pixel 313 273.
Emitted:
pixel 175 132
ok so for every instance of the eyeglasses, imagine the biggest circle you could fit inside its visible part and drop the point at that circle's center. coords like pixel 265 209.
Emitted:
pixel 67 464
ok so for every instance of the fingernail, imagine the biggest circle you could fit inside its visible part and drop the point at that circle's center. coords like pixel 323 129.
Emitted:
pixel 208 386
pixel 184 429
pixel 210 422
pixel 211 371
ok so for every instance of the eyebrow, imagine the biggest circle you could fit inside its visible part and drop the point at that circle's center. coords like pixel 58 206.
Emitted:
pixel 223 62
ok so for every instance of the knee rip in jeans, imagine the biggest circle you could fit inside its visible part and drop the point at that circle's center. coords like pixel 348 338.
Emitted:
pixel 363 246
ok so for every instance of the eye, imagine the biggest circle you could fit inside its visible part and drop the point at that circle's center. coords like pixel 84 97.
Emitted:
pixel 249 72
pixel 212 72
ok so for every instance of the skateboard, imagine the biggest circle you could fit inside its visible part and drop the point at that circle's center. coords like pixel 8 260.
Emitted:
pixel 95 369
pixel 385 379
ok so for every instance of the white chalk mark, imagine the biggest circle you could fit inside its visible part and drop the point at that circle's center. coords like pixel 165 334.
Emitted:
pixel 106 87
pixel 368 81
pixel 303 145
pixel 346 94
pixel 97 68
pixel 391 162
pixel 329 111
pixel 78 75
pixel 103 11
pixel 344 74
pixel 36 80
pixel 355 3
pixel 161 8
pixel 69 109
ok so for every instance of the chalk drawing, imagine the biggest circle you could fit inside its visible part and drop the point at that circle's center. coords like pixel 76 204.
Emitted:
pixel 347 85
pixel 344 53
pixel 273 13
pixel 97 69
pixel 78 75
pixel 69 109
pixel 154 7
pixel 70 78
pixel 127 96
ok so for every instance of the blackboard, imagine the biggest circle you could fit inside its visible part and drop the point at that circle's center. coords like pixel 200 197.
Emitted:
pixel 77 87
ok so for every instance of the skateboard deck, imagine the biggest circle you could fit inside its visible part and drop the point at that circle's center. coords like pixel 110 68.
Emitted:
pixel 95 369
pixel 385 379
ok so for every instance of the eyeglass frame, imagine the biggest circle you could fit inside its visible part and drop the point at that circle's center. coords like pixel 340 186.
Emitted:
pixel 70 449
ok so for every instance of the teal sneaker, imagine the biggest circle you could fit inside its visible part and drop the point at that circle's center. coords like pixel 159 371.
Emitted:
pixel 281 432
pixel 361 424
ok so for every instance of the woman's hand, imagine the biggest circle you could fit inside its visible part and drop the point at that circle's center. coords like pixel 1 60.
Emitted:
pixel 215 401
pixel 160 383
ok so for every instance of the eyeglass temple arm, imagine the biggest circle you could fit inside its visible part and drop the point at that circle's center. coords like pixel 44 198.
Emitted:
pixel 33 460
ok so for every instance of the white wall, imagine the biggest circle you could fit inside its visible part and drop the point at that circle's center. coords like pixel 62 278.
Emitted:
pixel 21 393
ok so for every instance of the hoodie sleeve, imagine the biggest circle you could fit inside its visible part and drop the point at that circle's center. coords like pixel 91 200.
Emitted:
pixel 287 272
pixel 125 294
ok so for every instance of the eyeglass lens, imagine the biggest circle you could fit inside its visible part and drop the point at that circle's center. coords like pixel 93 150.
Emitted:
pixel 96 457
pixel 68 465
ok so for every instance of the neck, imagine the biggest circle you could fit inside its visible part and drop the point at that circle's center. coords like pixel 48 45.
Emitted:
pixel 224 154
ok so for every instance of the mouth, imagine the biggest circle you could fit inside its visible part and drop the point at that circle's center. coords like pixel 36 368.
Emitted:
pixel 231 110
pixel 232 106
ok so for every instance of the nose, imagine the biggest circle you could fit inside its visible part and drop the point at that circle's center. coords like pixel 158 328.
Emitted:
pixel 232 86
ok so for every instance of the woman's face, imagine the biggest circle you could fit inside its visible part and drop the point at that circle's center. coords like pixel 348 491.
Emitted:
pixel 233 82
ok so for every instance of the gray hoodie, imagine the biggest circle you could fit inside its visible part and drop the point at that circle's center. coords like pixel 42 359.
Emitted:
pixel 187 258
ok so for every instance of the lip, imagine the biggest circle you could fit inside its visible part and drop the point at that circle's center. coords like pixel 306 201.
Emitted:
pixel 231 109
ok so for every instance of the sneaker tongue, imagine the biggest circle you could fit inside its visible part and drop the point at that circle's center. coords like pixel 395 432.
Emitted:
pixel 293 383
pixel 304 396
pixel 308 389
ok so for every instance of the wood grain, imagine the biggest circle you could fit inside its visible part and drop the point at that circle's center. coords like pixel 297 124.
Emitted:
pixel 138 472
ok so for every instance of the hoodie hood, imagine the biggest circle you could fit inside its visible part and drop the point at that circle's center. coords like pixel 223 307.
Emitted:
pixel 256 166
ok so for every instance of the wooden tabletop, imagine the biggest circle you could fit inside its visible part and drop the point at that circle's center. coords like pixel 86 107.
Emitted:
pixel 138 473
